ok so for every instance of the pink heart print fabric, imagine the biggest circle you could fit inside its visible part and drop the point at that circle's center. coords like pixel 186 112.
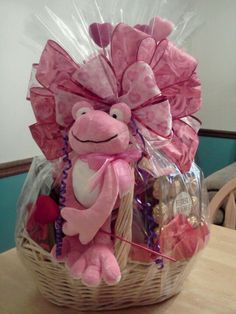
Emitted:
pixel 143 69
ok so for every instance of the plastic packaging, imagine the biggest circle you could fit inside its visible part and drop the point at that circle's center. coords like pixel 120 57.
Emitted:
pixel 116 55
pixel 180 199
pixel 170 214
pixel 40 182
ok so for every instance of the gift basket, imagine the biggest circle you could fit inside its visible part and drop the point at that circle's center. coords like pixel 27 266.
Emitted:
pixel 114 214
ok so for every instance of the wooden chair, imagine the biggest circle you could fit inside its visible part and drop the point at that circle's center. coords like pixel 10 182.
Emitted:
pixel 226 192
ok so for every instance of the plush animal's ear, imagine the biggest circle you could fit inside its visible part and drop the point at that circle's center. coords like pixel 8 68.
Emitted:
pixel 80 108
pixel 121 112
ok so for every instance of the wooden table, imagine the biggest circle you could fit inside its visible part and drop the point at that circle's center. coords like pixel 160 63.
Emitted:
pixel 210 287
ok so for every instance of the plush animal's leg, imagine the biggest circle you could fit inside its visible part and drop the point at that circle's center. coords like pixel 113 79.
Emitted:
pixel 110 270
pixel 102 237
pixel 98 262
pixel 87 267
pixel 72 249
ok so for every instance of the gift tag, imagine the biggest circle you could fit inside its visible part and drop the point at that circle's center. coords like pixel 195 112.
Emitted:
pixel 183 204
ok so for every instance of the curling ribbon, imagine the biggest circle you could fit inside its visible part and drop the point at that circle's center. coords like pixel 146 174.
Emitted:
pixel 59 221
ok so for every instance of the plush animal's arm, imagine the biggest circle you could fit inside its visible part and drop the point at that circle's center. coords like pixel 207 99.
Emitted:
pixel 87 222
pixel 125 176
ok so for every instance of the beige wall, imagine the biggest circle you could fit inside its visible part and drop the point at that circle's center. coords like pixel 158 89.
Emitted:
pixel 214 44
pixel 15 65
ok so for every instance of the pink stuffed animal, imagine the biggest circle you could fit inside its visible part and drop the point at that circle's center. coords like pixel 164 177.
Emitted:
pixel 100 173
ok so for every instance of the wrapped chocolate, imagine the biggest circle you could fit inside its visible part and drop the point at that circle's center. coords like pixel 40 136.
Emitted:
pixel 188 220
pixel 177 202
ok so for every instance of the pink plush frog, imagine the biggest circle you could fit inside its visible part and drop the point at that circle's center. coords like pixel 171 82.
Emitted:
pixel 143 72
pixel 100 174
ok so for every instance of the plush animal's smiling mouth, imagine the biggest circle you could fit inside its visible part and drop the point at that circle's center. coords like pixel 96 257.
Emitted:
pixel 92 141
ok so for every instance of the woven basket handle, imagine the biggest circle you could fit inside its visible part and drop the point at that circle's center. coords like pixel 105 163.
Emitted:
pixel 123 228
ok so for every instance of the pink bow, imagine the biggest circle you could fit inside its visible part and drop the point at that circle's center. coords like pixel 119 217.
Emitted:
pixel 120 162
pixel 156 79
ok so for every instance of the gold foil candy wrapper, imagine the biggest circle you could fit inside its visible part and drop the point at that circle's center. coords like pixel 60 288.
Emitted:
pixel 156 212
pixel 146 164
pixel 161 189
pixel 203 220
pixel 166 212
pixel 157 185
pixel 175 187
pixel 156 194
pixel 195 201
pixel 162 213
pixel 164 208
pixel 193 220
pixel 193 186
pixel 157 232
pixel 156 190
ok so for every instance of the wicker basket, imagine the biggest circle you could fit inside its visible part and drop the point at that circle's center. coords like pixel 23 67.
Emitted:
pixel 141 284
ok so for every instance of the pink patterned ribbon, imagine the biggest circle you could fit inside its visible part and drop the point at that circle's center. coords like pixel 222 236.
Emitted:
pixel 157 80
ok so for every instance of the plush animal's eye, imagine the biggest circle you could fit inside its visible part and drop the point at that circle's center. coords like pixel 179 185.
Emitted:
pixel 80 108
pixel 121 112
pixel 82 111
pixel 117 114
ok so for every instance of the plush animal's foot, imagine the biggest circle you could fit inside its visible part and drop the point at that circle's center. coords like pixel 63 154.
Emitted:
pixel 96 263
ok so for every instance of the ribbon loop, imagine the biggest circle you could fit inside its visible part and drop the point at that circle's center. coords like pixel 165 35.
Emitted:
pixel 154 78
